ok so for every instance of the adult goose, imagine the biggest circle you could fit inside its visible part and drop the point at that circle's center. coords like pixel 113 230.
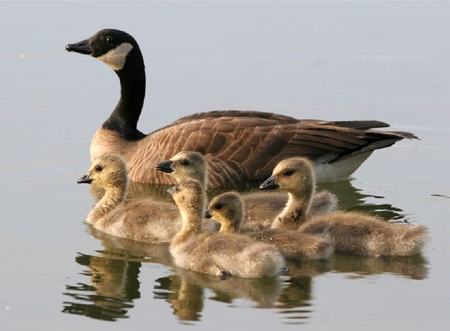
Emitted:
pixel 241 146
pixel 354 233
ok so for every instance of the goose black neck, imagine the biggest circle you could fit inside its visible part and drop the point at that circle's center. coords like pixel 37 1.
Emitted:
pixel 125 116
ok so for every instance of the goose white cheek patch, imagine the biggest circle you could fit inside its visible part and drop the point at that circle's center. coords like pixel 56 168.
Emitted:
pixel 117 57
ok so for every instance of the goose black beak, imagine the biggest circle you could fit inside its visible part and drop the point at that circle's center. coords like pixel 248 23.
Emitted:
pixel 164 166
pixel 84 179
pixel 81 47
pixel 269 184
pixel 208 214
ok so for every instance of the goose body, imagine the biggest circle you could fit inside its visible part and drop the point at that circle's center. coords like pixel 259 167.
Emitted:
pixel 261 207
pixel 228 210
pixel 350 232
pixel 220 254
pixel 241 147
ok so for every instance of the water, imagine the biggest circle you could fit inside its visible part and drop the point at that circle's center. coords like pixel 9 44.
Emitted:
pixel 385 61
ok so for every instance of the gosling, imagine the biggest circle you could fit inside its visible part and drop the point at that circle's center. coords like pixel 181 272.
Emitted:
pixel 350 232
pixel 142 220
pixel 261 207
pixel 228 210
pixel 221 254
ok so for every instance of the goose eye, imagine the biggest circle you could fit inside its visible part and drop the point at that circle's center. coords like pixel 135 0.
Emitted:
pixel 98 168
pixel 288 173
pixel 184 162
pixel 218 206
pixel 109 40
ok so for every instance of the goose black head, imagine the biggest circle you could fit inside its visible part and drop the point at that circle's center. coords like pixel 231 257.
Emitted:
pixel 114 47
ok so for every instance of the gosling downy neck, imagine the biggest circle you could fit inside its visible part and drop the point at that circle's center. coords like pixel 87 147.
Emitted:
pixel 191 203
pixel 297 210
pixel 114 195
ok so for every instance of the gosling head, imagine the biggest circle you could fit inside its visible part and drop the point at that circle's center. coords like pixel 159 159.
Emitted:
pixel 292 175
pixel 185 165
pixel 109 170
pixel 228 210
pixel 114 47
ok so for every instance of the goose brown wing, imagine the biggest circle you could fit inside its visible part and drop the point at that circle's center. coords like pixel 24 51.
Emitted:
pixel 281 119
pixel 242 149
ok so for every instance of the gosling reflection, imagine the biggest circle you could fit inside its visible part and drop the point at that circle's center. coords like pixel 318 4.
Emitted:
pixel 114 283
pixel 185 291
pixel 185 298
pixel 114 287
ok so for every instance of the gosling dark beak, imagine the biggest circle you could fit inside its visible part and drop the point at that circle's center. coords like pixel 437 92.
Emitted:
pixel 81 47
pixel 164 166
pixel 84 180
pixel 269 184
pixel 208 213
pixel 171 190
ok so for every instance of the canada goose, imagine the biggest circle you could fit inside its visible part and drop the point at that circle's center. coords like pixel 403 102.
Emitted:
pixel 142 220
pixel 241 146
pixel 261 207
pixel 219 254
pixel 228 210
pixel 350 232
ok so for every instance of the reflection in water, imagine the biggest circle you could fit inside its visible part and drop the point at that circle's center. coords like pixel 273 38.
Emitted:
pixel 114 283
pixel 113 276
pixel 185 292
pixel 186 299
pixel 295 301
pixel 351 198
pixel 413 267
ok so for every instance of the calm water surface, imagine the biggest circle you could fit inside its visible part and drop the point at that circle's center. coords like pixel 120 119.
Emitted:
pixel 349 60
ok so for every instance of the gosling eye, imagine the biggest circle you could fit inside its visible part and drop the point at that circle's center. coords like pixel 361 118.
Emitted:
pixel 109 40
pixel 184 162
pixel 98 168
pixel 218 206
pixel 288 173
